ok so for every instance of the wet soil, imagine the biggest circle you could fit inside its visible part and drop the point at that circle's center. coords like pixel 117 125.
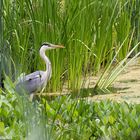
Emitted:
pixel 127 85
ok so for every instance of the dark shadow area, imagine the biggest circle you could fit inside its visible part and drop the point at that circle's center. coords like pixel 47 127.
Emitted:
pixel 90 92
pixel 83 93
pixel 129 81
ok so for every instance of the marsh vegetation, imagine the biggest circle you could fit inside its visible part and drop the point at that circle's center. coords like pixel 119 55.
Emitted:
pixel 99 36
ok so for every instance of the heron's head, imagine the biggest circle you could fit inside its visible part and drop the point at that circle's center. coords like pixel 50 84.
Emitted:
pixel 48 46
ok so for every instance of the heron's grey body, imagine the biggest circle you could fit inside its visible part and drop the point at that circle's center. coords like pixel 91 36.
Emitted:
pixel 37 81
pixel 33 82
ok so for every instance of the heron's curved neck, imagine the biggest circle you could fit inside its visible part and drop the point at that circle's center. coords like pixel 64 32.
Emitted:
pixel 47 61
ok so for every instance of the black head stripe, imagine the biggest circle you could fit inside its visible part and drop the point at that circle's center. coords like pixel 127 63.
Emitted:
pixel 46 43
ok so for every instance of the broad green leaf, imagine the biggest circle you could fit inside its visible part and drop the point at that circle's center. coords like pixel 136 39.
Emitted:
pixel 128 131
pixel 1 128
pixel 111 119
pixel 105 120
pixel 103 128
pixel 49 109
pixel 133 112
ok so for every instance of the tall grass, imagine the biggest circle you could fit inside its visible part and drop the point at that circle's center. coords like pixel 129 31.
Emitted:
pixel 1 38
pixel 92 31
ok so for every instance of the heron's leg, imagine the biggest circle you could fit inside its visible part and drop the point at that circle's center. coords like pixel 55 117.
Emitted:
pixel 42 90
pixel 31 97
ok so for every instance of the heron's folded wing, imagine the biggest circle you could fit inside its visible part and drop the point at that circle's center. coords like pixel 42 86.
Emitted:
pixel 31 82
pixel 29 77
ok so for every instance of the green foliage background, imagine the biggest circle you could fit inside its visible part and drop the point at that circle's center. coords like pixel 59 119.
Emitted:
pixel 91 30
pixel 66 118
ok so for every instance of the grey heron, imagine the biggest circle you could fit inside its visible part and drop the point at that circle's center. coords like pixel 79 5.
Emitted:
pixel 37 81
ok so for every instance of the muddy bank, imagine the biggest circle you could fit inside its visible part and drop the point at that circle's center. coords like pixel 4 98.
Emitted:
pixel 127 85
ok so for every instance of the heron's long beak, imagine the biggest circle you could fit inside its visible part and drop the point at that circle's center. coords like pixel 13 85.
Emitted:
pixel 57 46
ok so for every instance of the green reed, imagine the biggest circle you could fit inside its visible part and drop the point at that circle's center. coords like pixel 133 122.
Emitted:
pixel 91 32
pixel 1 38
